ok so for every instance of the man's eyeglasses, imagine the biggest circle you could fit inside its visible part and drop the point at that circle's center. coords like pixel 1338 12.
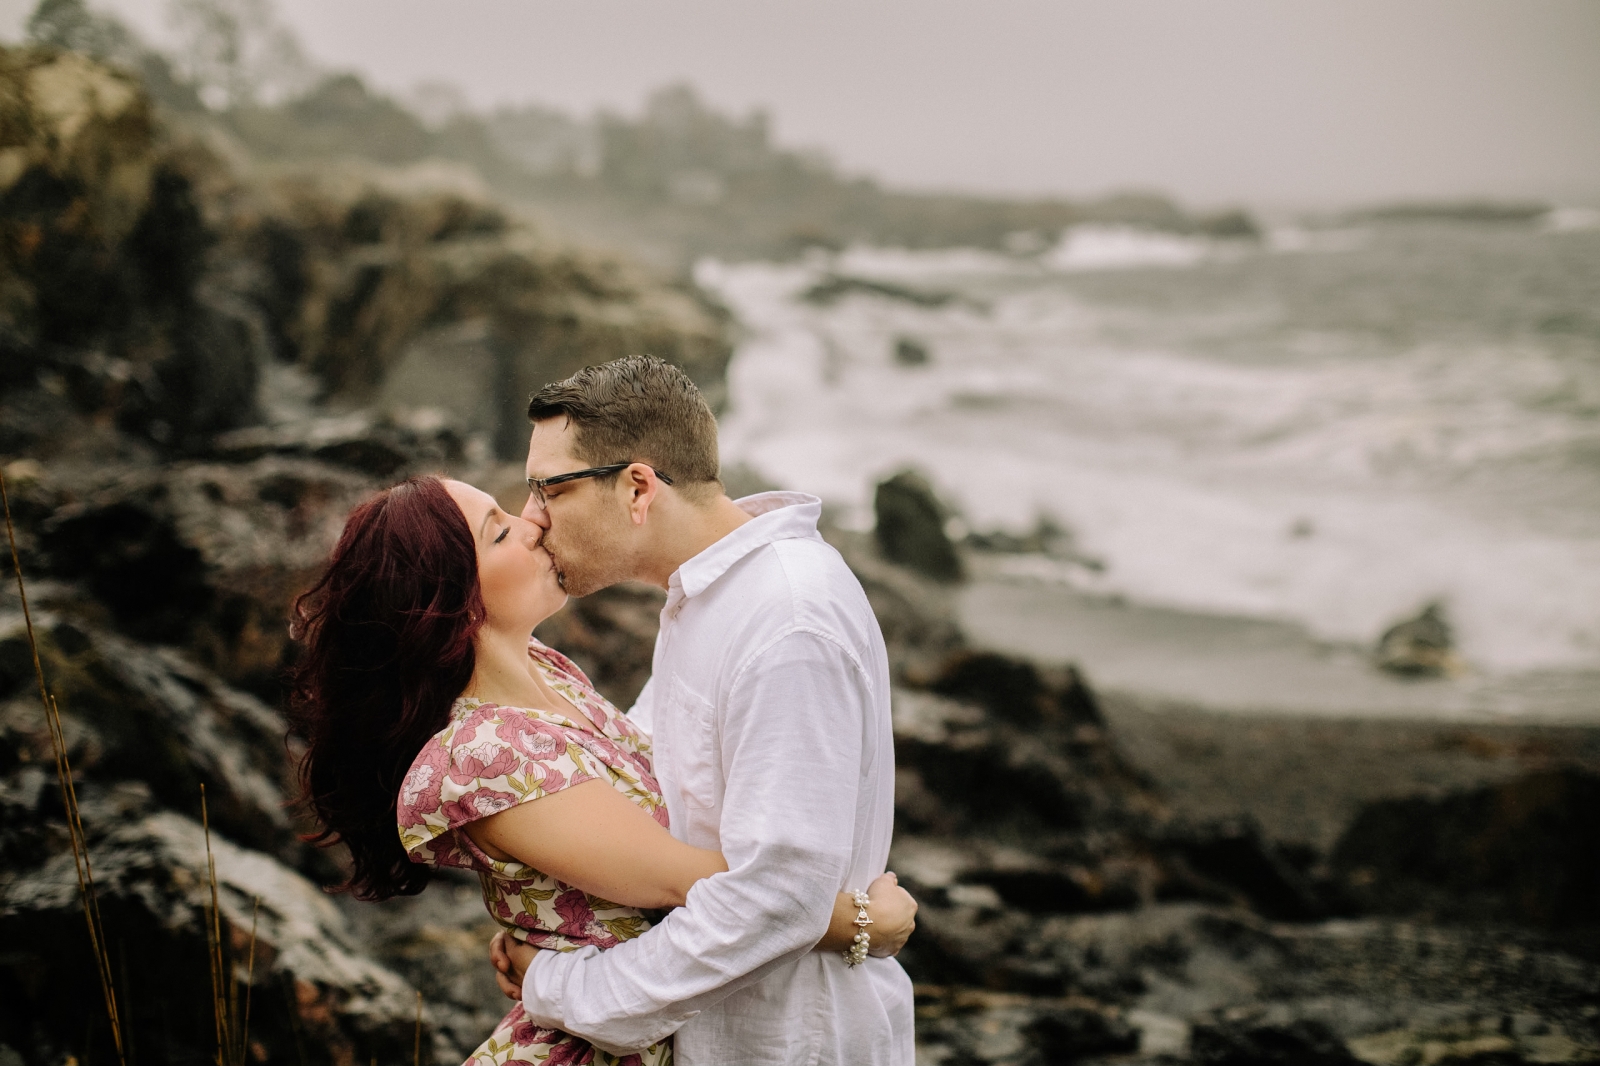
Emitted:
pixel 537 485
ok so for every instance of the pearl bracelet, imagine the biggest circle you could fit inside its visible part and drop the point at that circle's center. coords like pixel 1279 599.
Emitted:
pixel 856 954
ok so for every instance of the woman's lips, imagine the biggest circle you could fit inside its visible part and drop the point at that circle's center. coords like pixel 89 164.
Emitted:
pixel 561 578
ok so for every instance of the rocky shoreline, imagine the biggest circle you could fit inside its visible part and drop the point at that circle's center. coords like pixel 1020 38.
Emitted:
pixel 180 446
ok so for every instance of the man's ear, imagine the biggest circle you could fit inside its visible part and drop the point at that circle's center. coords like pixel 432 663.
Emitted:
pixel 642 485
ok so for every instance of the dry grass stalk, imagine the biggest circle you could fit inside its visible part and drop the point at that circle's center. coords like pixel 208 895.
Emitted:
pixel 233 1026
pixel 69 799
pixel 416 1052
pixel 249 980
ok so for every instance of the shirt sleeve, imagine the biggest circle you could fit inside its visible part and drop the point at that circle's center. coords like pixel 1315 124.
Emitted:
pixel 791 746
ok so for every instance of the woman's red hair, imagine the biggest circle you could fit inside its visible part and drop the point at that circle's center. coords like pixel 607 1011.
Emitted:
pixel 387 633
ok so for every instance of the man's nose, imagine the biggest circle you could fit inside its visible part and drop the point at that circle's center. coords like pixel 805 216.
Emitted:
pixel 535 512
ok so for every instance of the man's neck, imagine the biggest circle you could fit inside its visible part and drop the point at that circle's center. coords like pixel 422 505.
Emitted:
pixel 691 530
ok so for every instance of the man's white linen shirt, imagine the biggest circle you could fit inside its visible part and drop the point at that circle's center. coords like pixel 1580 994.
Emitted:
pixel 769 706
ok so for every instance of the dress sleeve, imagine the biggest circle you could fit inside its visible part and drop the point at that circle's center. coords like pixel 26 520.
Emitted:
pixel 491 760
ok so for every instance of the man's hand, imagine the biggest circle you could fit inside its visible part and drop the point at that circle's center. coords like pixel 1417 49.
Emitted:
pixel 510 957
pixel 893 913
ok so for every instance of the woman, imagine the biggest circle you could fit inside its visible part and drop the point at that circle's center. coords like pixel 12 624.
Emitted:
pixel 438 733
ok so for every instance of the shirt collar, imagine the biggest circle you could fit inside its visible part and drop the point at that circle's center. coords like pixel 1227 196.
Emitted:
pixel 774 516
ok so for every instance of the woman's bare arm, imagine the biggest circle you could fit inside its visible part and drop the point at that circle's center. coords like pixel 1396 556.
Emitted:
pixel 594 838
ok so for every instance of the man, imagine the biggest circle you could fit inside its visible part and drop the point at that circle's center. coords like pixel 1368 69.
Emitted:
pixel 769 705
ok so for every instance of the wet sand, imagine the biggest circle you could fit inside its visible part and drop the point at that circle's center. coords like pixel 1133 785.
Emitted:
pixel 1239 717
pixel 1246 666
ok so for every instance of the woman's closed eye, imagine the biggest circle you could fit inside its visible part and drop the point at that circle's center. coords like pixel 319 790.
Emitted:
pixel 504 533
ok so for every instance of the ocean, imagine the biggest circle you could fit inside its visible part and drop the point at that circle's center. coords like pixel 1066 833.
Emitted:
pixel 1331 427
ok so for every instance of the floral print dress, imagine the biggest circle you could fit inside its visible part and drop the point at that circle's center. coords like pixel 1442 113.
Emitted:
pixel 490 758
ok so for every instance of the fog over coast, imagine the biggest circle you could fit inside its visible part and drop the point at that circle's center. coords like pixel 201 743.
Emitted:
pixel 1301 105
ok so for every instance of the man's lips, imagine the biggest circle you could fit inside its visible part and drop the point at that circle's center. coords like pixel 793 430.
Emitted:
pixel 561 577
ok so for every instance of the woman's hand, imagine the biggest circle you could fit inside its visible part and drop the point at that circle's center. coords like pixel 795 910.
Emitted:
pixel 511 958
pixel 893 913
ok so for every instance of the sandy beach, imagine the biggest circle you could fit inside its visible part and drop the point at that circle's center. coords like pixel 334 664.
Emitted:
pixel 1241 717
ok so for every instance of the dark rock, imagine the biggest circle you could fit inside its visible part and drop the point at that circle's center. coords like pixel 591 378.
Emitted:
pixel 910 527
pixel 380 448
pixel 104 249
pixel 131 713
pixel 1059 889
pixel 1018 691
pixel 1525 850
pixel 206 555
pixel 1063 1035
pixel 1254 870
pixel 835 287
pixel 315 997
pixel 1230 225
pixel 908 351
pixel 1227 1042
pixel 132 558
pixel 1419 647
pixel 971 1026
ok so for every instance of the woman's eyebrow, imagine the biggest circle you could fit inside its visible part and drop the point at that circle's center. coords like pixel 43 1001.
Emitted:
pixel 492 512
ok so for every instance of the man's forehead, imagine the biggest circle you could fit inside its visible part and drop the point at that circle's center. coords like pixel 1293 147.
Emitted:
pixel 549 447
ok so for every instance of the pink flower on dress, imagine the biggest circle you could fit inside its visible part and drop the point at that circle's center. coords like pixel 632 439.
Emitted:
pixel 551 780
pixel 535 739
pixel 486 760
pixel 442 851
pixel 646 771
pixel 578 920
pixel 571 1052
pixel 419 794
pixel 483 712
pixel 528 1032
pixel 601 748
pixel 479 803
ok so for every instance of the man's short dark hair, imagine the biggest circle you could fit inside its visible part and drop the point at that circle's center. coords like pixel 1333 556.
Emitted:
pixel 637 409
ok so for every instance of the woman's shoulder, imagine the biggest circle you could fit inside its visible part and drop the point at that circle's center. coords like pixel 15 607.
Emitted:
pixel 487 759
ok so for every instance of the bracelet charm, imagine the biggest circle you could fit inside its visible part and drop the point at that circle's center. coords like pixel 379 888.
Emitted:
pixel 857 952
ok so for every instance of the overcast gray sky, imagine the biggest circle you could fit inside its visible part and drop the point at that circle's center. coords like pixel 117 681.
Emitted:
pixel 1265 102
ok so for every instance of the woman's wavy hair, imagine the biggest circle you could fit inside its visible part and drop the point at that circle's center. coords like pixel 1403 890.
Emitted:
pixel 386 636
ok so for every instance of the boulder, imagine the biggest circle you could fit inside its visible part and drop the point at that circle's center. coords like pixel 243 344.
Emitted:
pixel 974 1026
pixel 908 351
pixel 910 527
pixel 1525 850
pixel 1236 858
pixel 314 995
pixel 131 713
pixel 1242 1041
pixel 1419 647
pixel 407 298
pixel 1516 1038
pixel 104 249
pixel 207 555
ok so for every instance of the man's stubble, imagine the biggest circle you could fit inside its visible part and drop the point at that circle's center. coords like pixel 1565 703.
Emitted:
pixel 588 551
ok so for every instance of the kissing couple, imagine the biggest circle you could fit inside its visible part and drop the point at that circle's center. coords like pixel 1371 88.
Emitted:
pixel 750 788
